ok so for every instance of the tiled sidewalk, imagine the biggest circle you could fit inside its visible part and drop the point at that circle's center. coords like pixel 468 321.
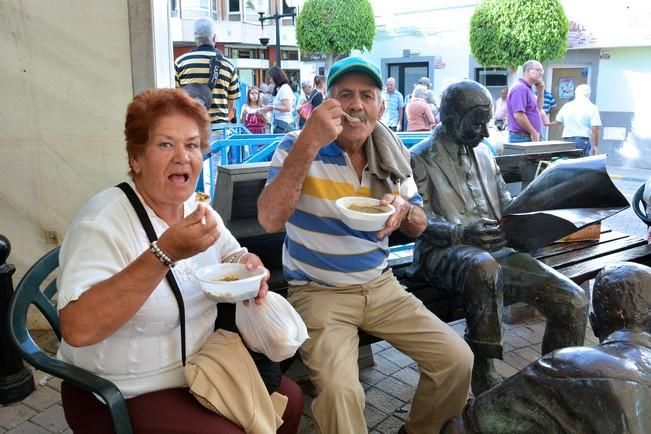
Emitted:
pixel 389 385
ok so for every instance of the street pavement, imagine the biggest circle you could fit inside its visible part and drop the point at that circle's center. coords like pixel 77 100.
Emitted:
pixel 389 384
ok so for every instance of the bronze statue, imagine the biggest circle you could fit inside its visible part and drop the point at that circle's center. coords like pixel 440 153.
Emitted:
pixel 581 390
pixel 464 248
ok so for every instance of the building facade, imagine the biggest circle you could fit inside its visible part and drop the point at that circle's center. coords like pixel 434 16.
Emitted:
pixel 609 48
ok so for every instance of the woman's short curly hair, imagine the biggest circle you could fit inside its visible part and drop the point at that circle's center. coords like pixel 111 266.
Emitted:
pixel 152 104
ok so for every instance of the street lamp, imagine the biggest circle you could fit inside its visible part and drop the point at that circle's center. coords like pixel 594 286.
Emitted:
pixel 277 17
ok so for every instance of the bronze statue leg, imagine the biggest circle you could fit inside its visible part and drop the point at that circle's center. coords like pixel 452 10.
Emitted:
pixel 474 273
pixel 560 300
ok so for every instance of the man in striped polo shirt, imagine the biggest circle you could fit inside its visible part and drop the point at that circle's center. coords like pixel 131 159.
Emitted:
pixel 338 277
pixel 194 67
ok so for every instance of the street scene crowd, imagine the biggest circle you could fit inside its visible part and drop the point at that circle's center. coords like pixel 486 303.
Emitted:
pixel 133 312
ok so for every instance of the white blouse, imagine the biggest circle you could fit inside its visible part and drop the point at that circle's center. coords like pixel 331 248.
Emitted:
pixel 144 355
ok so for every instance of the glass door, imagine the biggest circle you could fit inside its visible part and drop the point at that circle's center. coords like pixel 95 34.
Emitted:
pixel 407 76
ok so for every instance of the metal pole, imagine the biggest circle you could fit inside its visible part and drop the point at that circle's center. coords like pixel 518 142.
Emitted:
pixel 16 381
pixel 277 18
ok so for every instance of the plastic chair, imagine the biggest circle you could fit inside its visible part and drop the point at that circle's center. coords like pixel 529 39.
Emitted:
pixel 29 292
pixel 639 206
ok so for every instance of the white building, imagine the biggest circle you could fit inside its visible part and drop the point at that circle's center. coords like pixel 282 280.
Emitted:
pixel 609 48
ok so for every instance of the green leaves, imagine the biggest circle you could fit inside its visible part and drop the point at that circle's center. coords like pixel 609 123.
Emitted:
pixel 510 32
pixel 335 26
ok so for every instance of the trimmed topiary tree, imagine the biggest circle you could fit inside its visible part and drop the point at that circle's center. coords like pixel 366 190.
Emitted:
pixel 510 32
pixel 335 27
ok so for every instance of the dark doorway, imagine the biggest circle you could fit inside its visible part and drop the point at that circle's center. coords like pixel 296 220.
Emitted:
pixel 407 76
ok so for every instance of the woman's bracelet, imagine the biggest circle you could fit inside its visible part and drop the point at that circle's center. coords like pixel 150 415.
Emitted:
pixel 156 250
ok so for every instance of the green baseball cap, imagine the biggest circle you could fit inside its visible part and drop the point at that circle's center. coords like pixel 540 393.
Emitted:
pixel 354 64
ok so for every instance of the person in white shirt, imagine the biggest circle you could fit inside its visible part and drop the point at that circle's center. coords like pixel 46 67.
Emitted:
pixel 283 102
pixel 581 121
pixel 501 110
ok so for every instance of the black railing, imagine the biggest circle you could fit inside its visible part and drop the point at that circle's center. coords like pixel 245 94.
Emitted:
pixel 16 381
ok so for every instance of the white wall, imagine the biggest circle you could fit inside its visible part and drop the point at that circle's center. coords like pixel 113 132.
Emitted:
pixel 438 29
pixel 66 81
pixel 625 80
pixel 452 47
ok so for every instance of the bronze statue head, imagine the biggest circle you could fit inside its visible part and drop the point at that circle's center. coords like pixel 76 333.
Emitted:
pixel 466 108
pixel 621 299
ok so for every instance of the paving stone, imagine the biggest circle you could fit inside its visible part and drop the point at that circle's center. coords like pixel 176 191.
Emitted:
pixel 504 369
pixel 396 357
pixel 28 428
pixel 42 398
pixel 528 334
pixel 382 400
pixel 52 419
pixel 373 416
pixel 40 377
pixel 307 405
pixel 459 328
pixel 306 426
pixel 528 353
pixel 512 341
pixel 538 327
pixel 390 425
pixel 55 383
pixel 380 345
pixel 396 388
pixel 590 338
pixel 403 412
pixel 408 375
pixel 515 360
pixel 371 376
pixel 14 414
pixel 384 365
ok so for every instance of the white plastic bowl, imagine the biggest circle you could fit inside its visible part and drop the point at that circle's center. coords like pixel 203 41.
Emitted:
pixel 245 287
pixel 362 221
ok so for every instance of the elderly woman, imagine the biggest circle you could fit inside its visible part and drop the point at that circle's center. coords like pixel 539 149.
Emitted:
pixel 419 112
pixel 119 318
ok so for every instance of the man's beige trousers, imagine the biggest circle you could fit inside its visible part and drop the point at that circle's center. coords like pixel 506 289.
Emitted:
pixel 384 309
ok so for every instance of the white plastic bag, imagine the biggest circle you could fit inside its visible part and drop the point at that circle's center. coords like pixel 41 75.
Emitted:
pixel 273 328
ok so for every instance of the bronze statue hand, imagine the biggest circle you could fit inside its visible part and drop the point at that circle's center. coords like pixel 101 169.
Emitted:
pixel 484 233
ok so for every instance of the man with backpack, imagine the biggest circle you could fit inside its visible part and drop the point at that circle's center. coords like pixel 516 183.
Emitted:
pixel 205 70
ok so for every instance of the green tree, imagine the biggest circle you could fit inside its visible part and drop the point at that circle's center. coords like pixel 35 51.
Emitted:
pixel 335 27
pixel 510 32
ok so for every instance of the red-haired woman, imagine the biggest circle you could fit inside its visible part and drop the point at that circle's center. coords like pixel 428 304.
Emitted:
pixel 119 317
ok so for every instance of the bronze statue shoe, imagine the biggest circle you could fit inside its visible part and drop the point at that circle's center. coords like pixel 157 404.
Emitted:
pixel 484 376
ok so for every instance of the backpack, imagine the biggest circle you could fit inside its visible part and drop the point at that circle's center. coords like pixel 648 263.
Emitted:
pixel 307 107
pixel 203 92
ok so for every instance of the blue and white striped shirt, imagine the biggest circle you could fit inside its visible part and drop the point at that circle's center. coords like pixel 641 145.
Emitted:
pixel 319 246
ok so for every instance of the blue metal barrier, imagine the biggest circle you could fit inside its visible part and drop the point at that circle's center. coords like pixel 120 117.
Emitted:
pixel 236 145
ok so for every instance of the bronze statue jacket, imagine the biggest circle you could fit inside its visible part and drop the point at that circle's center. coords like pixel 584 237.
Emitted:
pixel 456 187
pixel 578 390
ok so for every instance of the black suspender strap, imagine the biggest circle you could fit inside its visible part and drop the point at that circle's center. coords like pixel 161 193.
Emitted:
pixel 151 234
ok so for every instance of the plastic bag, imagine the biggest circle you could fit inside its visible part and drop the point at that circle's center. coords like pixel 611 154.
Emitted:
pixel 273 328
